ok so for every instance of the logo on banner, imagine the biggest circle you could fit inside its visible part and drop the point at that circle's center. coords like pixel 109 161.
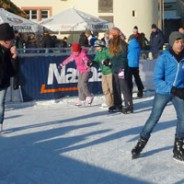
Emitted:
pixel 66 77
pixel 15 20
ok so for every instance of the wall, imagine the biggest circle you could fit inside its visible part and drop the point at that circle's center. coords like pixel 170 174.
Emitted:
pixel 146 11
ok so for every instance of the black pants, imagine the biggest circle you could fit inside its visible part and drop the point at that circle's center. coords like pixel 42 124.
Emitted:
pixel 120 86
pixel 16 78
pixel 134 72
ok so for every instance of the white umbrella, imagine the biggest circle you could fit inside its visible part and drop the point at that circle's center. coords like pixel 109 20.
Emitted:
pixel 72 20
pixel 19 23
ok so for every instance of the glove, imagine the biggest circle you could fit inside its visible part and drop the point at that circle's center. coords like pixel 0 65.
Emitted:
pixel 89 63
pixel 121 74
pixel 179 92
pixel 106 62
pixel 60 66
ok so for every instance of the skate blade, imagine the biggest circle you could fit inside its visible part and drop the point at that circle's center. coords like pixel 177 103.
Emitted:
pixel 179 161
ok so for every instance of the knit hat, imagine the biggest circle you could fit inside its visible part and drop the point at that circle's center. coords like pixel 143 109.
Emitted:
pixel 175 36
pixel 76 47
pixel 154 26
pixel 115 31
pixel 6 32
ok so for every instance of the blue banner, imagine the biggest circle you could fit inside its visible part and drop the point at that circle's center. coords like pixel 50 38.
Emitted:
pixel 41 79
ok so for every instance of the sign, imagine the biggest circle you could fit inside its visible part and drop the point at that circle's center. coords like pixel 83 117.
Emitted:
pixel 41 79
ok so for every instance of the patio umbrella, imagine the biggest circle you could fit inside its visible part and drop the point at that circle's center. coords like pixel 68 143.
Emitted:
pixel 73 20
pixel 19 23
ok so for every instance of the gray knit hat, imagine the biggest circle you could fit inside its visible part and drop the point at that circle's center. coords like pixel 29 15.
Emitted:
pixel 175 36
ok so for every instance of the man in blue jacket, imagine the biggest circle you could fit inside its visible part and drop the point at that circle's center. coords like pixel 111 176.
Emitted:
pixel 134 51
pixel 169 86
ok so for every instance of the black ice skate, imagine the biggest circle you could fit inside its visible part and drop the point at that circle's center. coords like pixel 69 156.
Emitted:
pixel 128 109
pixel 178 150
pixel 138 148
pixel 112 109
pixel 140 94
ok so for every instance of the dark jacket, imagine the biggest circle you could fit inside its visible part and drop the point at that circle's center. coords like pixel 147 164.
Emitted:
pixel 119 61
pixel 6 68
pixel 156 41
pixel 47 41
pixel 83 40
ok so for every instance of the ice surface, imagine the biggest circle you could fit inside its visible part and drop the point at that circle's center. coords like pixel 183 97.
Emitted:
pixel 58 143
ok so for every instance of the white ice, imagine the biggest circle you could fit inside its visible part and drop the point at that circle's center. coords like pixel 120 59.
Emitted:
pixel 58 143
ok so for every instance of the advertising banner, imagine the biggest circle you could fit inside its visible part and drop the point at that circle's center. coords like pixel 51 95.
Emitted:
pixel 42 79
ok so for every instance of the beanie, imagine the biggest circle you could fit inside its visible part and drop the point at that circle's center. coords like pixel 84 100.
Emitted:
pixel 115 31
pixel 76 47
pixel 175 36
pixel 6 32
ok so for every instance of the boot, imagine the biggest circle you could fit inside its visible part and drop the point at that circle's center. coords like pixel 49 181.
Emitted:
pixel 178 149
pixel 112 109
pixel 89 99
pixel 139 147
pixel 127 109
pixel 140 94
pixel 119 108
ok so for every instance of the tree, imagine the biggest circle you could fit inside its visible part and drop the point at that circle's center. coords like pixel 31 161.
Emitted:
pixel 11 7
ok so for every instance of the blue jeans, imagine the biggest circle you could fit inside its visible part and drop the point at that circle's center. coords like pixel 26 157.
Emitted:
pixel 2 104
pixel 159 103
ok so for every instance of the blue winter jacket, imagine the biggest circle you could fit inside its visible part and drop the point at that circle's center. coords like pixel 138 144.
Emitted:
pixel 134 50
pixel 168 72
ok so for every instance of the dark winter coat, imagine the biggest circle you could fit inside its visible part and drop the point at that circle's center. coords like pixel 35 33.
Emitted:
pixel 119 61
pixel 6 68
pixel 47 41
pixel 156 41
pixel 83 40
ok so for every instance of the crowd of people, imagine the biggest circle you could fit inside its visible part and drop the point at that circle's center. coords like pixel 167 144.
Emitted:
pixel 118 60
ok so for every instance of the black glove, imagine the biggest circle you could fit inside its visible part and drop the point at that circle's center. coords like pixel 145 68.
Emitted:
pixel 90 64
pixel 179 92
pixel 106 62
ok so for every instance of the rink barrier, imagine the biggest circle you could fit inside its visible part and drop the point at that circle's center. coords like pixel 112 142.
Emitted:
pixel 42 79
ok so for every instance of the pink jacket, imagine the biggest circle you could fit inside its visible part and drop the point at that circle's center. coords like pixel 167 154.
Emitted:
pixel 81 61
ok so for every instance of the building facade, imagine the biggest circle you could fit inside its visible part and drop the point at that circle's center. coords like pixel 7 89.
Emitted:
pixel 124 14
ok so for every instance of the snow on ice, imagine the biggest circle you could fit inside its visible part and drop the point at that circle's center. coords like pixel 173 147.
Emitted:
pixel 58 143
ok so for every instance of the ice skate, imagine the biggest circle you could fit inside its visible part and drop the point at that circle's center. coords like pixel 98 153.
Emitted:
pixel 79 103
pixel 128 109
pixel 138 148
pixel 140 94
pixel 112 109
pixel 178 150
pixel 89 100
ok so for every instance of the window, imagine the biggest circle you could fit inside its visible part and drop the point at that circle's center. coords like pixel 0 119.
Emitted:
pixel 32 14
pixel 44 14
pixel 170 6
pixel 105 6
pixel 37 13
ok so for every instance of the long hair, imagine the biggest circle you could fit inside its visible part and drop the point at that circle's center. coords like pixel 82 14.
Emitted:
pixel 117 45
